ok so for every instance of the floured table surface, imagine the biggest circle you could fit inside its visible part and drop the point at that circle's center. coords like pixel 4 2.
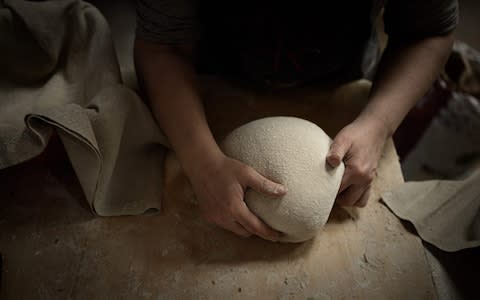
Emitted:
pixel 53 248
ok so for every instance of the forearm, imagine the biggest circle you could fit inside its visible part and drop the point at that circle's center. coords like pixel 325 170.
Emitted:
pixel 405 73
pixel 169 81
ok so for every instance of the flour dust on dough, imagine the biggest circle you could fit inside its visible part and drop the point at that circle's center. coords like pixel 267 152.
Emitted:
pixel 290 151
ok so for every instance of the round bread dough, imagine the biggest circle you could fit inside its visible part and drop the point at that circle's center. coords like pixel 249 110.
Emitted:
pixel 290 151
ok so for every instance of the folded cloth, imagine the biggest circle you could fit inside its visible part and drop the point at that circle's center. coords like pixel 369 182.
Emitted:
pixel 59 73
pixel 446 213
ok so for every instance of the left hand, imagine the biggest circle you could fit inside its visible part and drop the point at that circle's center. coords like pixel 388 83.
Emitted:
pixel 359 145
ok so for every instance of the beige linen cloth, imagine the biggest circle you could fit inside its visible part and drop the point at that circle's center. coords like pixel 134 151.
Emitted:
pixel 58 72
pixel 445 213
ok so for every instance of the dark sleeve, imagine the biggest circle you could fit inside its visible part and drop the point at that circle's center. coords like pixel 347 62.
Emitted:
pixel 413 19
pixel 166 21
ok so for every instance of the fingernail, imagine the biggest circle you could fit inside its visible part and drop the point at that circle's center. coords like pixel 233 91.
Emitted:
pixel 274 239
pixel 333 160
pixel 280 189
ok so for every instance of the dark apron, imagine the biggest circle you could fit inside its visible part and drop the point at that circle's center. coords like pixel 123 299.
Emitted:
pixel 273 45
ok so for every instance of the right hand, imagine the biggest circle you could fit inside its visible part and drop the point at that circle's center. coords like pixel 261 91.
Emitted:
pixel 220 188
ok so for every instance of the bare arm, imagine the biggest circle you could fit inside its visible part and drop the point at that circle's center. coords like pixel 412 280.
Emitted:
pixel 219 182
pixel 405 73
pixel 169 80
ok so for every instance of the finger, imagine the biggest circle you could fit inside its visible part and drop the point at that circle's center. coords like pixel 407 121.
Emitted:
pixel 360 173
pixel 338 150
pixel 364 198
pixel 346 182
pixel 254 225
pixel 264 185
pixel 355 175
pixel 351 195
pixel 237 229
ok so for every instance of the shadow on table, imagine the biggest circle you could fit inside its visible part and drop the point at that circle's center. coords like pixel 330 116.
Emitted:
pixel 43 190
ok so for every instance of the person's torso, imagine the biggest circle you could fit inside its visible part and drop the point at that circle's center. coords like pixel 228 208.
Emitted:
pixel 275 43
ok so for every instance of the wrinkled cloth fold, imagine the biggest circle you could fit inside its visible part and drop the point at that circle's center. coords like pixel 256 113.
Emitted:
pixel 445 213
pixel 60 74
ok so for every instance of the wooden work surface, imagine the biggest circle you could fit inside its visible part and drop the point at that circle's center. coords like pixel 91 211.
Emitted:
pixel 53 248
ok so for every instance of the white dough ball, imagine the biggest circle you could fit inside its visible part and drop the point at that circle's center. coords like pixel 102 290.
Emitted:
pixel 290 151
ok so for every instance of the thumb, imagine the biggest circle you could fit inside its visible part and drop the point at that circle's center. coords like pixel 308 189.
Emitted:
pixel 338 149
pixel 264 185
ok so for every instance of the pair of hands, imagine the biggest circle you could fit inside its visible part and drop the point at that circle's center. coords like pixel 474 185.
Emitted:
pixel 220 187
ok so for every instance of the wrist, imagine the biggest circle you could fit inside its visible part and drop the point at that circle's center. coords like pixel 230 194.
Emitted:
pixel 378 124
pixel 197 157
